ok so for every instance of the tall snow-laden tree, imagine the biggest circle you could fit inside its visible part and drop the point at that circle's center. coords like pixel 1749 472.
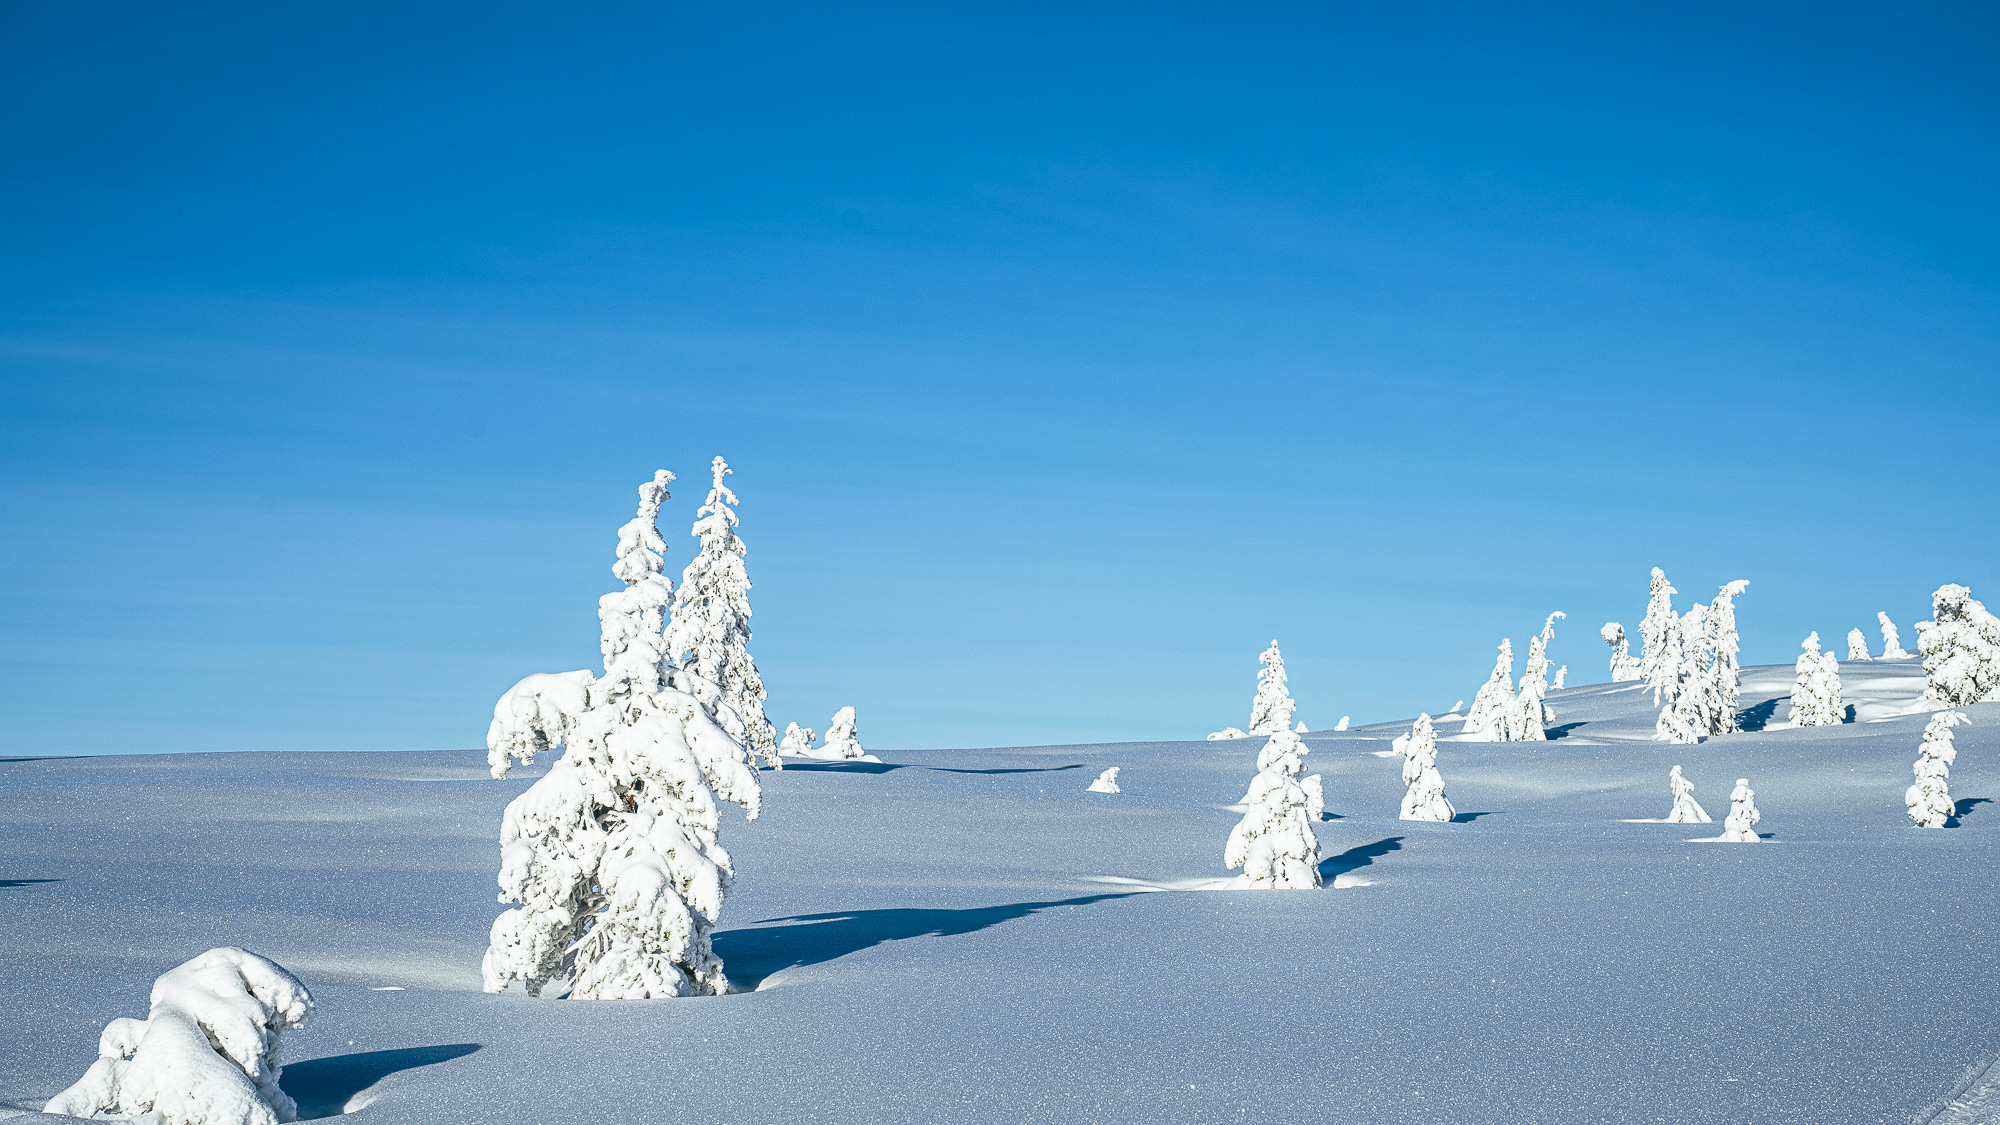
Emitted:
pixel 1624 666
pixel 1425 799
pixel 1529 716
pixel 1685 689
pixel 1495 700
pixel 1272 708
pixel 1725 674
pixel 1816 687
pixel 1892 645
pixel 1857 645
pixel 1929 800
pixel 709 632
pixel 1961 650
pixel 1686 809
pixel 612 856
pixel 1741 826
pixel 1660 664
pixel 1274 843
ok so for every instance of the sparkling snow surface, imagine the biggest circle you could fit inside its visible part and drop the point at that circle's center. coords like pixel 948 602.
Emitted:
pixel 942 937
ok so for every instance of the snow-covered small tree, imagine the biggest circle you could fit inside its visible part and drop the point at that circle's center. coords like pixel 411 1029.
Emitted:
pixel 1816 687
pixel 1226 734
pixel 1892 645
pixel 206 1053
pixel 1341 725
pixel 1857 645
pixel 798 741
pixel 709 633
pixel 842 740
pixel 1961 650
pixel 1725 674
pixel 1495 699
pixel 1529 716
pixel 1686 809
pixel 1624 666
pixel 1929 800
pixel 1741 826
pixel 1274 843
pixel 1272 708
pixel 1425 799
pixel 1685 690
pixel 1659 665
pixel 1107 782
pixel 612 856
pixel 1562 673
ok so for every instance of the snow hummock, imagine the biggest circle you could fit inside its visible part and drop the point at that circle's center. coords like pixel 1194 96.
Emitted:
pixel 1274 843
pixel 206 1053
pixel 1929 800
pixel 1341 725
pixel 1425 799
pixel 1107 782
pixel 1227 734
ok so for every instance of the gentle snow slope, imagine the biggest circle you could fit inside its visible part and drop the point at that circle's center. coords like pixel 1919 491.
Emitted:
pixel 933 939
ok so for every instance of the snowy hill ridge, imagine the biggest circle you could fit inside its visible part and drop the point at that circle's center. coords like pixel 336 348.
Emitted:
pixel 979 919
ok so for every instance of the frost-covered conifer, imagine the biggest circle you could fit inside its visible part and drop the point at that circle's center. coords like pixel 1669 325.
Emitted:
pixel 709 633
pixel 1495 699
pixel 1892 645
pixel 1529 716
pixel 1741 826
pixel 1857 645
pixel 1299 727
pixel 798 741
pixel 1274 843
pixel 1341 725
pixel 612 855
pixel 842 741
pixel 1724 689
pixel 1107 782
pixel 1686 809
pixel 206 1053
pixel 1660 664
pixel 1961 650
pixel 1561 674
pixel 1272 708
pixel 1929 800
pixel 1686 690
pixel 1816 687
pixel 1623 666
pixel 1425 799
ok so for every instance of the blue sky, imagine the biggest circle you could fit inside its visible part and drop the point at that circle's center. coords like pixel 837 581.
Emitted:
pixel 1066 354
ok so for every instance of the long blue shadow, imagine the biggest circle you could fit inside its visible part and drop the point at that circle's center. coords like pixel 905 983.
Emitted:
pixel 750 955
pixel 1358 856
pixel 25 882
pixel 842 767
pixel 322 1086
pixel 1962 808
pixel 1469 817
pixel 1019 769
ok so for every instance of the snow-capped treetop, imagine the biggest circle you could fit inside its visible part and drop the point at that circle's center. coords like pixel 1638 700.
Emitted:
pixel 1961 649
pixel 1659 665
pixel 1892 645
pixel 206 1053
pixel 1272 708
pixel 632 621
pixel 1857 645
pixel 1623 666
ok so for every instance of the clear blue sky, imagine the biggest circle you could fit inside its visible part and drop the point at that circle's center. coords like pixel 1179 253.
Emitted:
pixel 1067 354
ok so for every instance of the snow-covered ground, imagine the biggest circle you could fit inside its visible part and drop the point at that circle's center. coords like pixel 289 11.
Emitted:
pixel 959 935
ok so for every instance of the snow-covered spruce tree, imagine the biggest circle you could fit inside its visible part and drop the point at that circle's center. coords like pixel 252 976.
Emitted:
pixel 612 855
pixel 1107 782
pixel 1529 716
pixel 206 1053
pixel 1686 809
pixel 798 741
pixel 1741 826
pixel 1929 800
pixel 1623 666
pixel 1562 673
pixel 1341 725
pixel 1816 687
pixel 1660 632
pixel 1272 708
pixel 842 740
pixel 709 632
pixel 1425 799
pixel 1725 674
pixel 1857 645
pixel 1892 645
pixel 1495 699
pixel 1961 650
pixel 1274 843
pixel 1686 690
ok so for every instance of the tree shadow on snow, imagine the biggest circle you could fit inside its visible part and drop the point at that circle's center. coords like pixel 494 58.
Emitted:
pixel 1357 857
pixel 750 955
pixel 1959 809
pixel 45 758
pixel 1022 769
pixel 1469 817
pixel 27 882
pixel 842 767
pixel 1755 718
pixel 322 1087
pixel 1553 733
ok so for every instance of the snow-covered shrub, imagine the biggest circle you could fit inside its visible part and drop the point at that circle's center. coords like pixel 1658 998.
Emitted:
pixel 1341 725
pixel 1425 799
pixel 1892 645
pixel 206 1053
pixel 1529 716
pixel 1661 631
pixel 1227 734
pixel 1623 666
pixel 1686 809
pixel 1741 826
pixel 1929 800
pixel 1107 782
pixel 798 741
pixel 1299 727
pixel 1816 687
pixel 1272 708
pixel 1457 707
pixel 1495 699
pixel 1274 843
pixel 1562 673
pixel 1857 645
pixel 536 714
pixel 612 856
pixel 842 741
pixel 1961 649
pixel 709 632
